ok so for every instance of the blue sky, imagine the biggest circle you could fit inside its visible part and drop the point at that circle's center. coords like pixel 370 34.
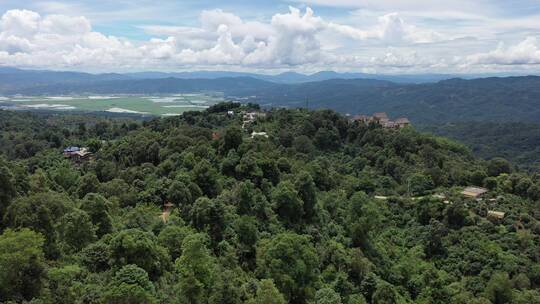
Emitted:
pixel 376 36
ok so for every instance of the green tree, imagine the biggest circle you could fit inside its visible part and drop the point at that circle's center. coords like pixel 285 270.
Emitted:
pixel 499 289
pixel 385 294
pixel 172 238
pixel 196 270
pixel 206 177
pixel 527 297
pixel 134 246
pixel 303 144
pixel 65 176
pixel 96 256
pixel 76 230
pixel 327 138
pixel 39 212
pixel 98 208
pixel 89 183
pixel 307 191
pixel 64 283
pixel 267 293
pixel 327 296
pixel 209 215
pixel 497 166
pixel 128 294
pixel 22 264
pixel 179 194
pixel 292 262
pixel 418 184
pixel 287 204
pixel 456 214
pixel 232 139
pixel 132 274
pixel 7 186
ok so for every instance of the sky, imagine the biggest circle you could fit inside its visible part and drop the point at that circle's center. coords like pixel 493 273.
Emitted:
pixel 370 36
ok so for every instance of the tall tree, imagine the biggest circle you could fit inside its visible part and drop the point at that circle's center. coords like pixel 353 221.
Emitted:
pixel 196 270
pixel 22 265
pixel 292 262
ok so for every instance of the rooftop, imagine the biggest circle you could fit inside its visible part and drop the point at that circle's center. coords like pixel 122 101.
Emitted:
pixel 474 191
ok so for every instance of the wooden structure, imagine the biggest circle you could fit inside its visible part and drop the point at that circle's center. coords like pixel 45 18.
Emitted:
pixel 402 122
pixel 474 192
pixel 259 134
pixel 77 154
pixel 167 208
pixel 496 215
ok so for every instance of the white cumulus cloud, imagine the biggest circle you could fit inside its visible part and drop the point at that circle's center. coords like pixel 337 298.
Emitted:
pixel 526 52
pixel 294 39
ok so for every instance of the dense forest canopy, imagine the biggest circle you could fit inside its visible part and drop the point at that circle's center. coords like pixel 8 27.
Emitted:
pixel 321 210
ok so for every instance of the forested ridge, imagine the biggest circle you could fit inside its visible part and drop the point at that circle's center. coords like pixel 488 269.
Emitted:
pixel 516 141
pixel 324 210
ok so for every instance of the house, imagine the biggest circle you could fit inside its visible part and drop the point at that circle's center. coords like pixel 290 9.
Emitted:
pixel 495 215
pixel 402 122
pixel 230 113
pixel 70 151
pixel 250 117
pixel 388 124
pixel 259 134
pixel 77 154
pixel 474 192
pixel 380 117
pixel 362 118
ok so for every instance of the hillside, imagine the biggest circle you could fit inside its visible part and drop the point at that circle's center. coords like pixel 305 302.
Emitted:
pixel 321 211
pixel 491 99
pixel 518 142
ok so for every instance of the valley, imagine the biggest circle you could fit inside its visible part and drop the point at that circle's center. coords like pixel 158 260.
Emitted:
pixel 151 105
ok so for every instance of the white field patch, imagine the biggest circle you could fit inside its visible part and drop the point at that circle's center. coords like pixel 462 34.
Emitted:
pixel 165 100
pixel 121 110
pixel 50 106
pixel 98 97
pixel 198 101
pixel 60 98
pixel 170 114
pixel 186 106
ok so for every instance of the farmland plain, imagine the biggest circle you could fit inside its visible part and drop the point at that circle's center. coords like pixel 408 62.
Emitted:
pixel 158 105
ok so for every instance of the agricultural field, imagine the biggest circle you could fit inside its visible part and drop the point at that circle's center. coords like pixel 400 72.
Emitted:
pixel 159 105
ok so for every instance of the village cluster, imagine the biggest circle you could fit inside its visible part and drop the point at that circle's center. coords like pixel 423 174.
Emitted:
pixel 382 119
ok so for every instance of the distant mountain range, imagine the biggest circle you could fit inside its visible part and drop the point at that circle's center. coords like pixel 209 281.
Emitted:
pixel 293 77
pixel 450 100
pixel 13 78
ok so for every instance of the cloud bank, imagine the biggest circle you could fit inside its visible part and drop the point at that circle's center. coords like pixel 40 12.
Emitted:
pixel 296 39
